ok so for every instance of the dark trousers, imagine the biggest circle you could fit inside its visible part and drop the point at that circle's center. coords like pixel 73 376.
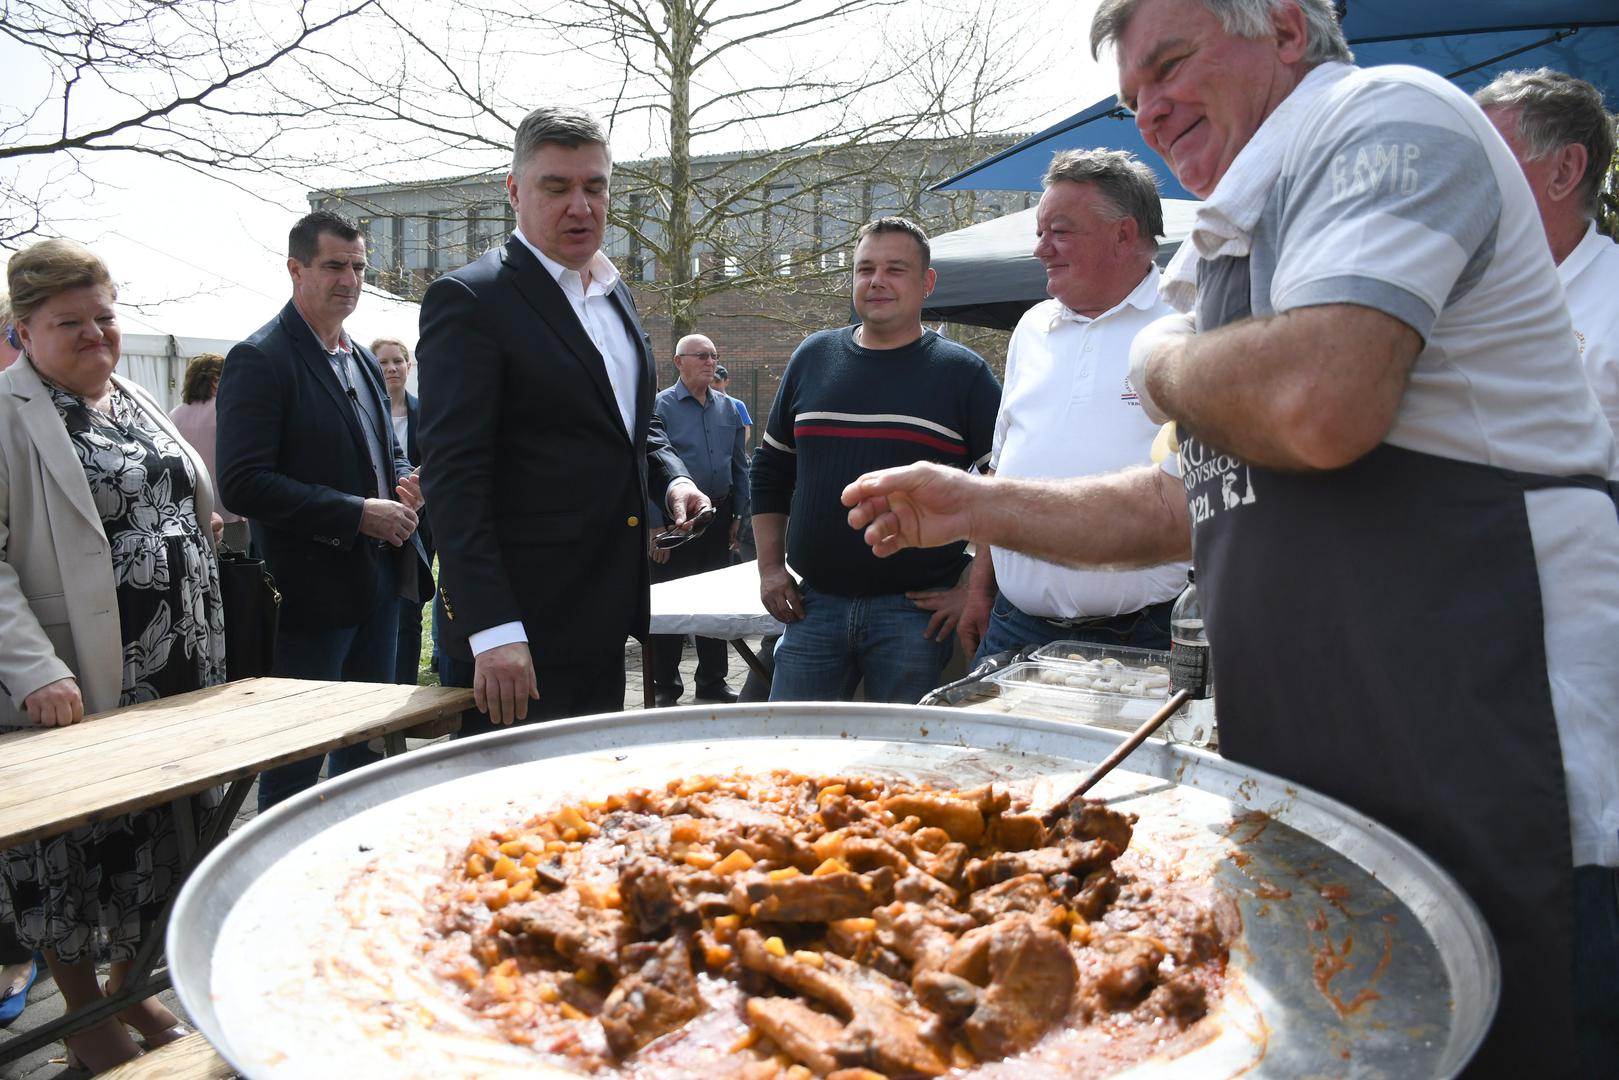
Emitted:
pixel 363 653
pixel 565 690
pixel 710 551
pixel 408 653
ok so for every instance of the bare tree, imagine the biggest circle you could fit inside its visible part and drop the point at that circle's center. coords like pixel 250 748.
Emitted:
pixel 189 81
pixel 762 155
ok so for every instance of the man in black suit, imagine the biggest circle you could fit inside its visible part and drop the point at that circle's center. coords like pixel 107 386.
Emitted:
pixel 541 443
pixel 306 452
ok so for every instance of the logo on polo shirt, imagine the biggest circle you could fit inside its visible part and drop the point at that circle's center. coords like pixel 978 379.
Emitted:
pixel 1130 397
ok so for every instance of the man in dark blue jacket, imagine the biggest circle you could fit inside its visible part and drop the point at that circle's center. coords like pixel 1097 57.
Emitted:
pixel 307 453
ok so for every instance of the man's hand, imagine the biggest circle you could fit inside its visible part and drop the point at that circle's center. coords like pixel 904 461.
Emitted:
pixel 56 704
pixel 921 505
pixel 946 605
pixel 684 501
pixel 503 682
pixel 654 552
pixel 409 489
pixel 975 616
pixel 780 593
pixel 216 525
pixel 736 534
pixel 387 520
pixel 1144 348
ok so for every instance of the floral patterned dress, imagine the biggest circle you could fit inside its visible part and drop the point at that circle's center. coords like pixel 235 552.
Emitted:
pixel 85 894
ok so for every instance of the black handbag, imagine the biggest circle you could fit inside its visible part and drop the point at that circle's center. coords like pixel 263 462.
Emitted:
pixel 252 610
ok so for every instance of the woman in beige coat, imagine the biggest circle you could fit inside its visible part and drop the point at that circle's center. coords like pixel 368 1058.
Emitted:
pixel 109 595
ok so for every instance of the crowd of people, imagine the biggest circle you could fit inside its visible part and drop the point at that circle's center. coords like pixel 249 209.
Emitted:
pixel 1386 362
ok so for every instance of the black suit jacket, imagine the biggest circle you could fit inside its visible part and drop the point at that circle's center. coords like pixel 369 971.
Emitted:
pixel 538 493
pixel 291 452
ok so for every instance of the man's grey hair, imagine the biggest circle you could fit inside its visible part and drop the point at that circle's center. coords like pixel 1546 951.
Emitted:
pixel 1127 185
pixel 1554 110
pixel 556 124
pixel 1324 38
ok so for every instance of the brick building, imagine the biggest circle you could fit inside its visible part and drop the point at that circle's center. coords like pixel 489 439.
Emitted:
pixel 770 266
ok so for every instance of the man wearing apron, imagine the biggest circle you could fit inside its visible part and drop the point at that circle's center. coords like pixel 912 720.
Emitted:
pixel 1395 474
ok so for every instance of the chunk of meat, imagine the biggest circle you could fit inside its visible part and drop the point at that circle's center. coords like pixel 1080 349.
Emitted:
pixel 963 820
pixel 658 997
pixel 736 811
pixel 909 931
pixel 811 981
pixel 947 863
pixel 1028 894
pixel 917 887
pixel 821 897
pixel 841 810
pixel 1075 857
pixel 1125 968
pixel 1031 988
pixel 1017 832
pixel 648 893
pixel 884 1037
pixel 1092 820
pixel 868 853
pixel 1099 889
pixel 1179 999
pixel 950 996
pixel 801 1032
pixel 588 936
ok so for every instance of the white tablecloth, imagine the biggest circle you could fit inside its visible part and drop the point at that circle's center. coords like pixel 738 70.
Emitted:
pixel 720 604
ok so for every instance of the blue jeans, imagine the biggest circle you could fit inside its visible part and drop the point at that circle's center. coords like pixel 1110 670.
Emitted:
pixel 364 653
pixel 1011 628
pixel 843 639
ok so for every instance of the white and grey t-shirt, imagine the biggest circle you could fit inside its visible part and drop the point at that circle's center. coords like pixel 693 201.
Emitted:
pixel 1396 194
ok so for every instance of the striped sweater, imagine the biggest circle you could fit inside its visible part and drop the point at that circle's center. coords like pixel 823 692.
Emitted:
pixel 843 410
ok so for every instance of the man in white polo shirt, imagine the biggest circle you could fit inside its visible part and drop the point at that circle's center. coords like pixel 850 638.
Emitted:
pixel 1562 136
pixel 1068 408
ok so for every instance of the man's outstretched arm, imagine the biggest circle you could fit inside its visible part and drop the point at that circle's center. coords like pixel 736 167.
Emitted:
pixel 1121 520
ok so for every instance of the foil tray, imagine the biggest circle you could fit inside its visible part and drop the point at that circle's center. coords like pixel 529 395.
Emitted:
pixel 1359 956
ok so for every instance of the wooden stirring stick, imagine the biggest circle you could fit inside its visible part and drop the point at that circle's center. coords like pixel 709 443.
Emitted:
pixel 1137 737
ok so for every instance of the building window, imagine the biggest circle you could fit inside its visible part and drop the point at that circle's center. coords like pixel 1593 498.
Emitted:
pixel 784 264
pixel 415 244
pixel 733 266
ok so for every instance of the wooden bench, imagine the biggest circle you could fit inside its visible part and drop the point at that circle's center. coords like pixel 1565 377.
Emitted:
pixel 190 1058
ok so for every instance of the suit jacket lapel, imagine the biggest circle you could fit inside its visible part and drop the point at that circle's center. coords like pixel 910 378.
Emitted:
pixel 45 429
pixel 546 297
pixel 313 357
pixel 647 381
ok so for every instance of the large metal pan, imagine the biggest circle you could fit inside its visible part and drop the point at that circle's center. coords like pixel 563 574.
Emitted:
pixel 1359 956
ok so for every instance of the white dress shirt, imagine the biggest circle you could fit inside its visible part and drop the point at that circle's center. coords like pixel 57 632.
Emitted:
pixel 1067 410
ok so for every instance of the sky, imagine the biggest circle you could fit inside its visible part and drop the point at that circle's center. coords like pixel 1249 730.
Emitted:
pixel 175 238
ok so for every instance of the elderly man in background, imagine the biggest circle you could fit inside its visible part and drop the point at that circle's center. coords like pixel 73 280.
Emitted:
pixel 883 392
pixel 1387 443
pixel 1563 138
pixel 542 444
pixel 706 429
pixel 1067 408
pixel 307 454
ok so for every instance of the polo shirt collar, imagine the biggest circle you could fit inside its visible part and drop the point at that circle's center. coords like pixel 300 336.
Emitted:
pixel 1582 255
pixel 1142 297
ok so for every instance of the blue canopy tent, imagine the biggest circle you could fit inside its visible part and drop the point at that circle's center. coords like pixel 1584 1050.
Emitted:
pixel 1467 41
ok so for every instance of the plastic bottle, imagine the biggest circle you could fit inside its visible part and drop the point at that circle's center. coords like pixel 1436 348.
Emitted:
pixel 1190 668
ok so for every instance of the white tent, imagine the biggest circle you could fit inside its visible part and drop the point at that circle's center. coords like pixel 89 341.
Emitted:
pixel 160 339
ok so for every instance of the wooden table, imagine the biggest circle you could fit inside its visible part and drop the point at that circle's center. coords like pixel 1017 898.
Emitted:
pixel 55 779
